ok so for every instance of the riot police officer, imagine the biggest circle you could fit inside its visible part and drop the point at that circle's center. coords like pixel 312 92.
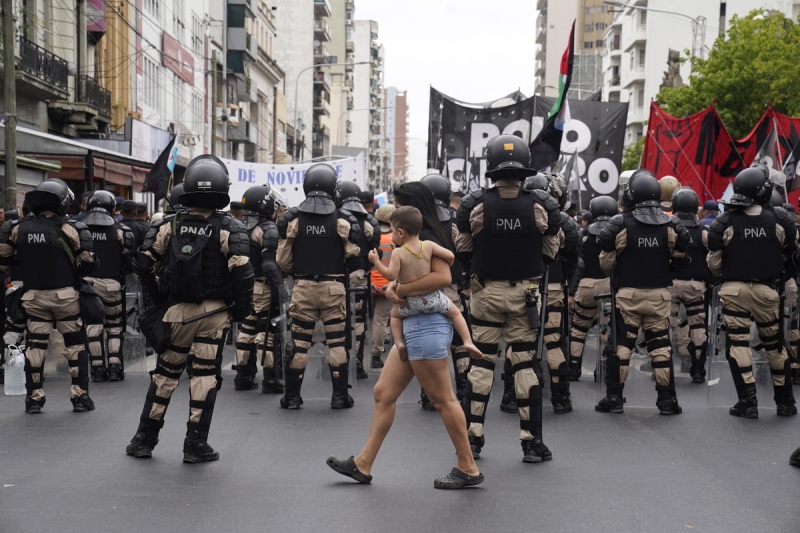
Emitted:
pixel 504 235
pixel 113 243
pixel 748 245
pixel 640 248
pixel 561 273
pixel 53 253
pixel 202 259
pixel 593 281
pixel 689 284
pixel 319 245
pixel 347 196
pixel 259 207
pixel 440 187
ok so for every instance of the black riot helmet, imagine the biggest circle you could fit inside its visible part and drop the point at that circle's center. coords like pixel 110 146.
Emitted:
pixel 539 182
pixel 320 180
pixel 685 200
pixel 51 195
pixel 508 157
pixel 102 201
pixel 257 201
pixel 347 195
pixel 776 200
pixel 642 190
pixel 175 198
pixel 367 197
pixel 603 208
pixel 206 183
pixel 763 196
pixel 440 187
pixel 750 184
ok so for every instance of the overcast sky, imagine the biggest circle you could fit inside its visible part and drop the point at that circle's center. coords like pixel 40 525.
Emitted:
pixel 472 50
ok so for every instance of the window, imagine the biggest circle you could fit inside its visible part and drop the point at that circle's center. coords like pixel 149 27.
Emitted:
pixel 588 44
pixel 151 6
pixel 588 27
pixel 197 35
pixel 197 112
pixel 600 26
pixel 642 19
pixel 640 99
pixel 177 98
pixel 177 21
pixel 152 83
pixel 632 60
pixel 598 43
pixel 642 56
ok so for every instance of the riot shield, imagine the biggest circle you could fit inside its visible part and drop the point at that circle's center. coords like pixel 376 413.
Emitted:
pixel 721 390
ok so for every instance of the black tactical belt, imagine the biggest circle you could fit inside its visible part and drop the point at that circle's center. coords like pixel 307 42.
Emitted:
pixel 320 277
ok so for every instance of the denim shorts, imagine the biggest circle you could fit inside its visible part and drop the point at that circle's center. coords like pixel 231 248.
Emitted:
pixel 427 337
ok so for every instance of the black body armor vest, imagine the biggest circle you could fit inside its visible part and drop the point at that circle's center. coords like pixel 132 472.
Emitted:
pixel 43 263
pixel 754 253
pixel 318 249
pixel 698 268
pixel 510 245
pixel 644 263
pixel 591 258
pixel 195 269
pixel 108 249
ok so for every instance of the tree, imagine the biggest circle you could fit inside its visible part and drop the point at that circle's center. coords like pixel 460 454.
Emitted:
pixel 632 155
pixel 754 64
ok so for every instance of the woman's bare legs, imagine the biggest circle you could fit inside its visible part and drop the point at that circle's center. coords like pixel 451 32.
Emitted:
pixel 394 378
pixel 434 376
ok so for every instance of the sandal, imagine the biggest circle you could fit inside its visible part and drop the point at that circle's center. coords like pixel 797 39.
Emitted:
pixel 457 479
pixel 347 467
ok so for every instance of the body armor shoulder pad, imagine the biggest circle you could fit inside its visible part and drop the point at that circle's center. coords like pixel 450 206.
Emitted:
pixel 786 222
pixel 271 236
pixel 5 230
pixel 238 240
pixel 283 222
pixel 128 239
pixel 609 234
pixel 355 227
pixel 376 230
pixel 84 235
pixel 596 228
pixel 551 206
pixel 572 233
pixel 684 238
pixel 150 236
pixel 717 230
pixel 468 203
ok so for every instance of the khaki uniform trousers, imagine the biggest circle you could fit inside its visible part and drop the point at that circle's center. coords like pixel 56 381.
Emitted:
pixel 198 344
pixel 62 308
pixel 742 303
pixel 358 280
pixel 252 338
pixel 312 301
pixel 382 308
pixel 692 333
pixel 110 292
pixel 647 309
pixel 584 316
pixel 556 361
pixel 498 313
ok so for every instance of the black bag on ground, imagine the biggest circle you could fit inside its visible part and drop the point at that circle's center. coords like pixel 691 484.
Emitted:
pixel 92 308
pixel 154 329
pixel 15 313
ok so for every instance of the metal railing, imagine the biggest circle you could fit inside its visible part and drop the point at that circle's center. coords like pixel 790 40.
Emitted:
pixel 45 65
pixel 88 91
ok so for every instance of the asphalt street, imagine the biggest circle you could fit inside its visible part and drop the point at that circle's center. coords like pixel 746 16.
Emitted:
pixel 702 471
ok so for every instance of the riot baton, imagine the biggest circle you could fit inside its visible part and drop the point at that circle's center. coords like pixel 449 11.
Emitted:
pixel 545 280
pixel 206 315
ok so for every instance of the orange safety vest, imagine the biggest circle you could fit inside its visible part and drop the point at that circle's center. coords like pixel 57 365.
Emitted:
pixel 386 247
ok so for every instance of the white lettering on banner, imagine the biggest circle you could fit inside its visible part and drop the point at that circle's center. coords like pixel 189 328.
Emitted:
pixel 99 236
pixel 754 233
pixel 288 179
pixel 36 238
pixel 647 242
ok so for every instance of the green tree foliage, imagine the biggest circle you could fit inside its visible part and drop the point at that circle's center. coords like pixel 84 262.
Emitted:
pixel 754 64
pixel 632 155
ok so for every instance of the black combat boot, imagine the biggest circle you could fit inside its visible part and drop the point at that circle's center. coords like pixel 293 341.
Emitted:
pixel 747 406
pixel 612 403
pixel 784 402
pixel 34 407
pixel 360 372
pixel 291 397
pixel 562 403
pixel 196 448
pixel 244 380
pixel 116 372
pixel 271 384
pixel 794 459
pixel 82 403
pixel 476 445
pixel 341 398
pixel 667 402
pixel 376 362
pixel 99 373
pixel 145 440
pixel 534 451
pixel 426 403
pixel 698 369
pixel 575 367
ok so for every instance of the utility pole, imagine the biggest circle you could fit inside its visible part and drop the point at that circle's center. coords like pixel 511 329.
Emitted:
pixel 213 102
pixel 10 97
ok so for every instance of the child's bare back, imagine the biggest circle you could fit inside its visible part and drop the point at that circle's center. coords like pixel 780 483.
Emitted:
pixel 415 259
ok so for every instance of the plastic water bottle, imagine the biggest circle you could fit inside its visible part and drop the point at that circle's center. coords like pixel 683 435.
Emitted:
pixel 15 372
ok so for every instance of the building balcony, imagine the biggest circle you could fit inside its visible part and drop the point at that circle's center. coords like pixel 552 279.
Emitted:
pixel 89 92
pixel 637 75
pixel 89 111
pixel 322 31
pixel 350 103
pixel 239 5
pixel 349 45
pixel 41 74
pixel 246 89
pixel 322 107
pixel 638 36
pixel 321 54
pixel 348 126
pixel 322 8
pixel 322 80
